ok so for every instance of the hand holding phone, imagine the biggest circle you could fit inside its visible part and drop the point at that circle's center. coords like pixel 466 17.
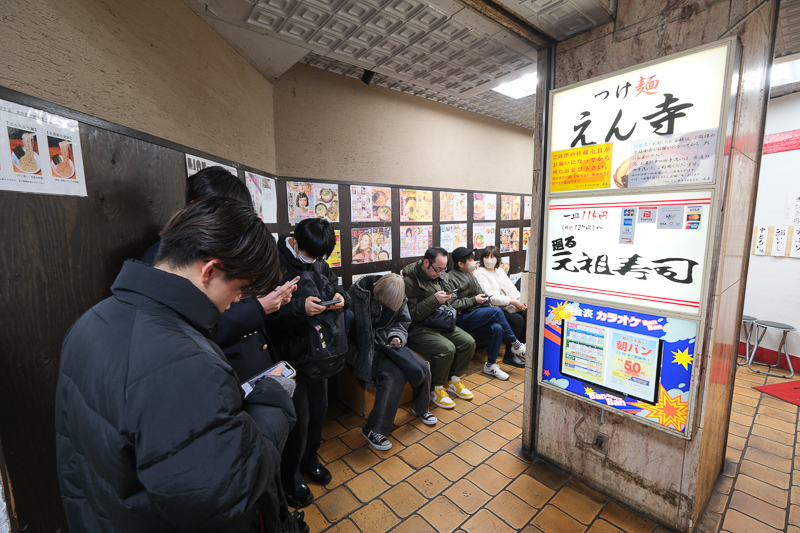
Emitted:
pixel 328 303
pixel 279 370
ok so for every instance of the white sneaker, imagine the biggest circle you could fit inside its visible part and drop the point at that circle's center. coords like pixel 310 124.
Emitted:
pixel 493 369
pixel 442 399
pixel 520 351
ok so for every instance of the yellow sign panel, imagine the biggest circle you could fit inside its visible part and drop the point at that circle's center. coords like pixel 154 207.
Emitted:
pixel 586 167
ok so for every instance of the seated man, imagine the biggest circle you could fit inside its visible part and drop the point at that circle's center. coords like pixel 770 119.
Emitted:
pixel 153 432
pixel 475 314
pixel 427 288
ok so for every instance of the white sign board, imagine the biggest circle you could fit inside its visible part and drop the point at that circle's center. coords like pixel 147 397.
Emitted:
pixel 195 164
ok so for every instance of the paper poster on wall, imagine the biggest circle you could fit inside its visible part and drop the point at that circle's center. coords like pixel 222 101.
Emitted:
pixel 452 236
pixel 505 264
pixel 371 244
pixel 662 269
pixel 794 239
pixel 636 362
pixel 484 206
pixel 760 240
pixel 414 240
pixel 528 208
pixel 40 152
pixel 264 194
pixel 452 206
pixel 308 200
pixel 779 235
pixel 793 206
pixel 416 206
pixel 335 259
pixel 651 126
pixel 526 235
pixel 509 240
pixel 483 234
pixel 195 164
pixel 370 204
pixel 509 207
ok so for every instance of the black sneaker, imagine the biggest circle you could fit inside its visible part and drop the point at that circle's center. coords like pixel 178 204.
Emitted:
pixel 429 419
pixel 376 440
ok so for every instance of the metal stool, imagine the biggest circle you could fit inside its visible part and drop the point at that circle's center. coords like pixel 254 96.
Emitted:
pixel 786 328
pixel 748 323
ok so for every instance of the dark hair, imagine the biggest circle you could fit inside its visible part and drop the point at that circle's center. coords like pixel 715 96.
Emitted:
pixel 212 182
pixel 315 236
pixel 432 253
pixel 224 229
pixel 463 259
pixel 297 200
pixel 490 250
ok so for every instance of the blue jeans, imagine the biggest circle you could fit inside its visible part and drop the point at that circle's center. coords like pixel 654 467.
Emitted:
pixel 490 321
pixel 390 382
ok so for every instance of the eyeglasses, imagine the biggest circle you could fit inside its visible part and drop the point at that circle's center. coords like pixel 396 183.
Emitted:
pixel 437 269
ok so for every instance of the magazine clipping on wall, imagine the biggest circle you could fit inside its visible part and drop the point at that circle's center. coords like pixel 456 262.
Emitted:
pixel 195 164
pixel 264 194
pixel 483 235
pixel 484 206
pixel 452 236
pixel 416 206
pixel 505 264
pixel 528 208
pixel 509 207
pixel 509 240
pixel 335 259
pixel 452 206
pixel 40 152
pixel 308 200
pixel 414 240
pixel 370 204
pixel 526 235
pixel 371 244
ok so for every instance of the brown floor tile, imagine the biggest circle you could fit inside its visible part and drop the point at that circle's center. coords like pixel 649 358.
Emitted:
pixel 474 422
pixel 709 523
pixel 330 450
pixel 514 447
pixel 792 529
pixel 446 416
pixel 766 474
pixel 427 430
pixel 404 499
pixel 451 467
pixel 771 401
pixel 345 526
pixel 724 485
pixel 337 504
pixel 504 404
pixel 514 396
pixel 762 491
pixel 738 430
pixel 353 438
pixel 774 423
pixel 747 410
pixel 438 443
pixel 480 398
pixel 576 505
pixel 767 459
pixel 414 524
pixel 746 391
pixel 758 509
pixel 314 518
pixel 331 429
pixel 751 400
pixel 780 414
pixel 794 515
pixel 589 492
pixel 375 518
pixel 717 502
pixel 443 514
pixel 471 453
pixel 489 412
pixel 507 464
pixel 511 509
pixel 531 491
pixel 489 440
pixel 463 408
pixel 741 419
pixel 549 475
pixel 514 418
pixel 626 519
pixel 429 482
pixel 393 470
pixel 403 416
pixel 340 473
pixel 416 456
pixel 467 496
pixel 736 522
pixel 490 390
pixel 733 455
pixel 489 479
pixel 457 432
pixel 770 446
pixel 351 420
pixel 553 520
pixel 729 469
pixel 505 429
pixel 367 486
pixel 737 443
pixel 773 434
pixel 361 459
pixel 484 521
pixel 794 495
pixel 601 526
pixel 406 434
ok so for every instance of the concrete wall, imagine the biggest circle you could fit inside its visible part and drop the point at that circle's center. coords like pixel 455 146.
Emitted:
pixel 331 126
pixel 151 65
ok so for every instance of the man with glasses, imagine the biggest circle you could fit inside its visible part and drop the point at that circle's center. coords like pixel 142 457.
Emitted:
pixel 427 288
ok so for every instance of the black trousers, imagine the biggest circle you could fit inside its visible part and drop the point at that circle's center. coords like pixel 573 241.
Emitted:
pixel 517 321
pixel 300 453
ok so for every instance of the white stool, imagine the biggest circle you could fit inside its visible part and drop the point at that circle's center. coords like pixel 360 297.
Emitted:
pixel 748 323
pixel 764 325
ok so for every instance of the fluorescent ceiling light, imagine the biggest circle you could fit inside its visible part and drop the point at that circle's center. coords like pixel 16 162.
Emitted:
pixel 519 88
pixel 786 72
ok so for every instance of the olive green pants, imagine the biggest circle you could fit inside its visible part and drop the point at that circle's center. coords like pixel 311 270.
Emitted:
pixel 450 353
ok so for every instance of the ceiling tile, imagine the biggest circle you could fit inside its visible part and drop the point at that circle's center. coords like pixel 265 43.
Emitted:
pixel 405 9
pixel 280 7
pixel 358 11
pixel 296 30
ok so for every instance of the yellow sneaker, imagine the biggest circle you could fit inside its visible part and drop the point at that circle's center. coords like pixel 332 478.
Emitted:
pixel 440 398
pixel 459 389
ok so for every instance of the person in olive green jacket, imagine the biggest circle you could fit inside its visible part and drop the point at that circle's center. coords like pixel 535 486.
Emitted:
pixel 427 288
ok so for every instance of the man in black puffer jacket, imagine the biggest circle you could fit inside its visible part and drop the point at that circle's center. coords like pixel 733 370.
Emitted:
pixel 153 432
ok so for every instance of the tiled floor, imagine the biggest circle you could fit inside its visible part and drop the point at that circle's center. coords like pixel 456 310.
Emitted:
pixel 467 474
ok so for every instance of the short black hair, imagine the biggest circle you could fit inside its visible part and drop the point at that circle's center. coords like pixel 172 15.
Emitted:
pixel 315 236
pixel 224 229
pixel 212 182
pixel 465 258
pixel 432 253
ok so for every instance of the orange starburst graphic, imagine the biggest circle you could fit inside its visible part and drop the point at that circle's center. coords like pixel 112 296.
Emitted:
pixel 670 412
pixel 547 373
pixel 561 311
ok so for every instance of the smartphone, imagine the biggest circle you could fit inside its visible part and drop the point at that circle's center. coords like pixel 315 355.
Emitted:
pixel 282 369
pixel 329 302
pixel 294 282
pixel 453 291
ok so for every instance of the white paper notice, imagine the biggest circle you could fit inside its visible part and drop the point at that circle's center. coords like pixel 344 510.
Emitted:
pixel 195 164
pixel 795 250
pixel 40 152
pixel 761 240
pixel 779 241
pixel 262 191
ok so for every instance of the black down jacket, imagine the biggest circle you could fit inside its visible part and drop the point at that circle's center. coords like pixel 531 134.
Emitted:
pixel 152 430
pixel 373 322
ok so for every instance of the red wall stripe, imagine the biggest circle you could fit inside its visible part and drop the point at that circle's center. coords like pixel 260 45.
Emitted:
pixel 782 142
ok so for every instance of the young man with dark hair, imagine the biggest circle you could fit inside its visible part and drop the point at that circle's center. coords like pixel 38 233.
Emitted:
pixel 302 254
pixel 216 181
pixel 153 432
pixel 427 288
pixel 475 314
